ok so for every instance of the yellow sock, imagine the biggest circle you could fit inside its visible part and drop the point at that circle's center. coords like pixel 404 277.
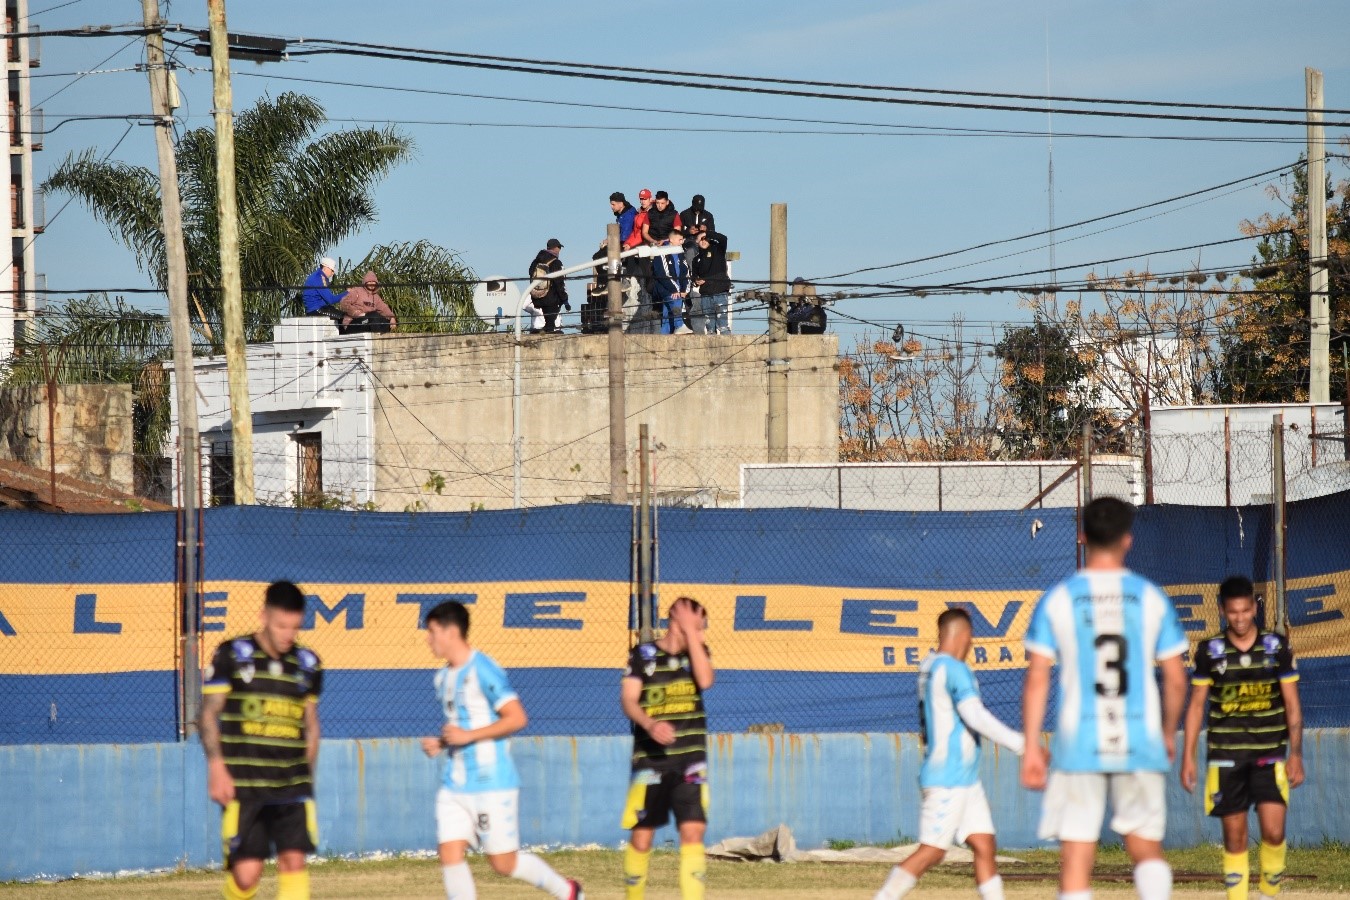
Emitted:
pixel 1236 874
pixel 1272 868
pixel 233 891
pixel 635 863
pixel 293 885
pixel 693 868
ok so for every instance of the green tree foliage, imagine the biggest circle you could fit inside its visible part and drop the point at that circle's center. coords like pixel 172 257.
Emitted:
pixel 1264 347
pixel 1046 382
pixel 300 193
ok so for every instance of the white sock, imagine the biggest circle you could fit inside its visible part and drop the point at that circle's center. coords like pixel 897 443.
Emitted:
pixel 991 889
pixel 1153 880
pixel 458 882
pixel 897 885
pixel 1075 895
pixel 533 870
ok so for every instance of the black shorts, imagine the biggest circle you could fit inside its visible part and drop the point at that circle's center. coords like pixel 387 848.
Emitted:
pixel 251 829
pixel 1235 787
pixel 653 796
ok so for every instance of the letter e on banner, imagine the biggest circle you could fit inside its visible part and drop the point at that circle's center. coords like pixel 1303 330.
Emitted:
pixel 876 617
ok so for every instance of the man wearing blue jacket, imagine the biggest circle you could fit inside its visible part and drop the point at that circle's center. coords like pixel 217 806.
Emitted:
pixel 671 284
pixel 317 294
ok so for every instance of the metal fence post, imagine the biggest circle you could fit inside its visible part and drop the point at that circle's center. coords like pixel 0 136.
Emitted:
pixel 1280 522
pixel 644 539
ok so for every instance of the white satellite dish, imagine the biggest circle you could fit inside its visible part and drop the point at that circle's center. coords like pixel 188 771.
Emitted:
pixel 495 299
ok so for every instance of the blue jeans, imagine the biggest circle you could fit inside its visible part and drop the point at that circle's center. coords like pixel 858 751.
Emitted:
pixel 671 309
pixel 710 316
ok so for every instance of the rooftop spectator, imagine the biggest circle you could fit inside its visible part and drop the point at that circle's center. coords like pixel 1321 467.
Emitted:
pixel 696 219
pixel 640 219
pixel 805 315
pixel 713 283
pixel 551 296
pixel 318 297
pixel 624 214
pixel 662 220
pixel 671 287
pixel 365 310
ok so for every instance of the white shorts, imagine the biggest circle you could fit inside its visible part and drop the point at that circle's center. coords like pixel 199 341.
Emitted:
pixel 486 820
pixel 950 815
pixel 1075 804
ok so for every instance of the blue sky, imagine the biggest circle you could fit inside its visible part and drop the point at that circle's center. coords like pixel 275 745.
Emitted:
pixel 495 194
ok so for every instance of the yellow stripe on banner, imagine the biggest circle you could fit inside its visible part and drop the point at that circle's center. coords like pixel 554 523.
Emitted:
pixel 85 629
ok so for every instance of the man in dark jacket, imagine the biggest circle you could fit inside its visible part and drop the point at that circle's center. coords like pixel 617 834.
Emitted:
pixel 546 261
pixel 670 285
pixel 696 219
pixel 662 219
pixel 714 284
pixel 624 214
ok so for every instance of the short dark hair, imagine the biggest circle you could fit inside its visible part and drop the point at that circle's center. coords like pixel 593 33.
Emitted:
pixel 1106 520
pixel 698 607
pixel 284 595
pixel 1236 587
pixel 451 612
pixel 954 614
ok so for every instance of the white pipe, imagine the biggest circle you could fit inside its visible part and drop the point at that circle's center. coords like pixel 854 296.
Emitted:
pixel 516 438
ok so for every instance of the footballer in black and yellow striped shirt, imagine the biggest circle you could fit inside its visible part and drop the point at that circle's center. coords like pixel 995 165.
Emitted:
pixel 1244 691
pixel 260 731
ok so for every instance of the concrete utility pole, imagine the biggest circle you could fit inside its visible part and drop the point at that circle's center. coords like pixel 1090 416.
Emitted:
pixel 1319 355
pixel 618 440
pixel 241 414
pixel 185 380
pixel 779 364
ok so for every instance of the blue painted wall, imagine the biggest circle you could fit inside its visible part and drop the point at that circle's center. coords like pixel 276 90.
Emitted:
pixel 71 809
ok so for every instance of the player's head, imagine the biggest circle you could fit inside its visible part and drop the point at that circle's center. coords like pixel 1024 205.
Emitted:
pixel 447 627
pixel 676 638
pixel 955 632
pixel 1106 525
pixel 283 613
pixel 1237 602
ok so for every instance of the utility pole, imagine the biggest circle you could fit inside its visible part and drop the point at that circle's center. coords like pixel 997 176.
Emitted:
pixel 618 440
pixel 644 540
pixel 236 362
pixel 1319 355
pixel 779 363
pixel 185 380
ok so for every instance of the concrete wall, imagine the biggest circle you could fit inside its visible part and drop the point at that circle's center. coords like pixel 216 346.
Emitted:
pixel 94 436
pixel 377 796
pixel 444 404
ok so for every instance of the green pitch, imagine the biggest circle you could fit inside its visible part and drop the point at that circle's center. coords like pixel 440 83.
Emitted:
pixel 599 871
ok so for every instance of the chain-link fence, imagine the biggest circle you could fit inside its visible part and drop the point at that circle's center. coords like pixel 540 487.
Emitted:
pixel 819 618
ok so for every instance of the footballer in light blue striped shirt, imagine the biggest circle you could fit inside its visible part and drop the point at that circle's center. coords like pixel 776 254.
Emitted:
pixel 954 805
pixel 1107 628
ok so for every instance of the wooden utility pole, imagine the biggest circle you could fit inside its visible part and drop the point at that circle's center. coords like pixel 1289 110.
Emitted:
pixel 644 539
pixel 185 381
pixel 1319 354
pixel 779 362
pixel 618 439
pixel 232 301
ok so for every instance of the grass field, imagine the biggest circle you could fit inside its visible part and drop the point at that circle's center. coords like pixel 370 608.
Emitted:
pixel 599 871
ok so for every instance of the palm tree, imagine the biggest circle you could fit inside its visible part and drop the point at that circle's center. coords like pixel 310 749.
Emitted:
pixel 298 196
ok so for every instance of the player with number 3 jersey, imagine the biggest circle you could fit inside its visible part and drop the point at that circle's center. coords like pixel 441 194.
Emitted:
pixel 1107 628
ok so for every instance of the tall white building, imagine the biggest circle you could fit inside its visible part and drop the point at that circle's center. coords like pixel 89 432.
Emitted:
pixel 25 217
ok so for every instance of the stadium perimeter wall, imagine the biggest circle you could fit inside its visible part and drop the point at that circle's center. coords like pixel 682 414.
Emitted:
pixel 77 809
pixel 819 619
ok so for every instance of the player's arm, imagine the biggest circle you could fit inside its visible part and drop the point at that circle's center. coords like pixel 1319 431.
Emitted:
pixel 1293 717
pixel 1173 699
pixel 1035 695
pixel 510 719
pixel 219 784
pixel 630 698
pixel 980 720
pixel 312 731
pixel 1195 720
pixel 700 663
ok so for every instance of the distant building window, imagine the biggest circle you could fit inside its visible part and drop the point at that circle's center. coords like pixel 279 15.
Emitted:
pixel 222 473
pixel 309 469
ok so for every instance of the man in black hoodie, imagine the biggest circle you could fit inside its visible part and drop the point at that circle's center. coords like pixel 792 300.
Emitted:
pixel 546 261
pixel 696 219
pixel 713 282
